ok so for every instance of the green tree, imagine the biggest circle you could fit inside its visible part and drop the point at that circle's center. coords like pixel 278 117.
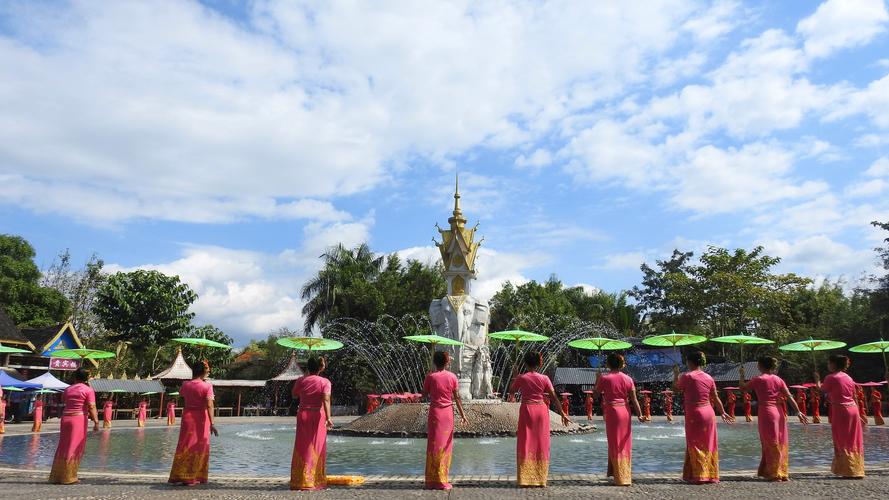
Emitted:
pixel 79 286
pixel 26 302
pixel 343 270
pixel 146 308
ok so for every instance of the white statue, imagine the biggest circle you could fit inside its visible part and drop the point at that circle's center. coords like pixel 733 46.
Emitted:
pixel 465 319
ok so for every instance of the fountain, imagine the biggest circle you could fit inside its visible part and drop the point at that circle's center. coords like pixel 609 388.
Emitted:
pixel 401 367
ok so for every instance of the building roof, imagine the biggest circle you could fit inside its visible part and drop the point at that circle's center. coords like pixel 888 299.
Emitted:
pixel 9 333
pixel 290 372
pixel 574 376
pixel 41 337
pixel 132 386
pixel 237 383
pixel 178 369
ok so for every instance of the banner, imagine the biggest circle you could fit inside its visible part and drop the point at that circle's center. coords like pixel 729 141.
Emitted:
pixel 64 364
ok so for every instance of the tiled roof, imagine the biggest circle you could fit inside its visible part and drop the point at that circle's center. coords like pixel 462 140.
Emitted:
pixel 41 336
pixel 8 330
pixel 290 372
pixel 133 386
pixel 178 370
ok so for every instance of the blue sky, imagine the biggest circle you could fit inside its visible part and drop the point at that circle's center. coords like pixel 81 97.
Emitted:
pixel 231 142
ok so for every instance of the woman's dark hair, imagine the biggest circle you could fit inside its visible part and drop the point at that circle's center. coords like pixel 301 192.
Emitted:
pixel 313 365
pixel 767 363
pixel 533 359
pixel 440 359
pixel 200 369
pixel 614 361
pixel 697 358
pixel 839 361
pixel 81 375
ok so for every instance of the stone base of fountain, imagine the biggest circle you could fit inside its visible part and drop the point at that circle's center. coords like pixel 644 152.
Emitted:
pixel 486 418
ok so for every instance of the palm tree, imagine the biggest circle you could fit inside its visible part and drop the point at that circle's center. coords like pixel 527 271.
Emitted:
pixel 342 266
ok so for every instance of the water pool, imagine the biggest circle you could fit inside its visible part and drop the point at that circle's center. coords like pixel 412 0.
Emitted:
pixel 265 450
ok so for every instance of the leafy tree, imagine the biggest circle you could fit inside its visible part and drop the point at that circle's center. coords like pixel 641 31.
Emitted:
pixel 880 294
pixel 79 287
pixel 343 269
pixel 26 302
pixel 146 308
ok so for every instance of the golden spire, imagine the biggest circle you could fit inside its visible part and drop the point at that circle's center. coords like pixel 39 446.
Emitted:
pixel 458 214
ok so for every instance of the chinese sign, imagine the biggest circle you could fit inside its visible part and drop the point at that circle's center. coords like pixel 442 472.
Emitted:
pixel 63 364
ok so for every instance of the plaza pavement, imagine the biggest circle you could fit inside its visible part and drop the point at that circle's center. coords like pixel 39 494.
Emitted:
pixel 809 483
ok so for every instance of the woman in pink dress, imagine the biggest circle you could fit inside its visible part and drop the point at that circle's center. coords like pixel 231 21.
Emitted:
pixel 617 390
pixel 2 413
pixel 107 411
pixel 192 460
pixel 532 445
pixel 771 420
pixel 143 413
pixel 441 388
pixel 80 404
pixel 38 414
pixel 845 419
pixel 701 444
pixel 171 412
pixel 308 466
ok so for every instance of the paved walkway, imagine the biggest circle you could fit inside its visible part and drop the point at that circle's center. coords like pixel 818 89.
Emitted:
pixel 21 484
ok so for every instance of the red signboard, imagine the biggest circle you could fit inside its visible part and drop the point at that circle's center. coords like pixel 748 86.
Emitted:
pixel 63 364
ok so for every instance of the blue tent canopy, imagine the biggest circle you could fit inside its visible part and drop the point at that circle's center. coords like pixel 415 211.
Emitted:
pixel 8 381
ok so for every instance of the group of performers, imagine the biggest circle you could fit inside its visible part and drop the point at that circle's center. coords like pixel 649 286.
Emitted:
pixel 617 390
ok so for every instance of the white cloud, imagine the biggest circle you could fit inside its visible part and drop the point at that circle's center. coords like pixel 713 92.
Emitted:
pixel 879 168
pixel 840 24
pixel 137 106
pixel 718 19
pixel 608 151
pixel 622 261
pixel 820 256
pixel 873 187
pixel 538 159
pixel 715 180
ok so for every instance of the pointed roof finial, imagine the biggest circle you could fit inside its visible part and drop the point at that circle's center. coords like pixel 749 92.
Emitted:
pixel 457 211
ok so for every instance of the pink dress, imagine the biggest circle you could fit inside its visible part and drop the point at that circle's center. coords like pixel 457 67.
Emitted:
pixel 701 445
pixel 439 387
pixel 78 399
pixel 772 424
pixel 845 425
pixel 614 388
pixel 308 466
pixel 107 411
pixel 143 413
pixel 38 416
pixel 171 413
pixel 2 413
pixel 191 463
pixel 532 444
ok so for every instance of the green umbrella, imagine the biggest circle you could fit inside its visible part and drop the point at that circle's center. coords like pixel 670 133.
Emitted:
pixel 45 391
pixel 310 343
pixel 173 393
pixel 149 393
pixel 517 336
pixel 600 344
pixel 813 345
pixel 742 340
pixel 12 389
pixel 201 342
pixel 432 340
pixel 81 353
pixel 11 350
pixel 673 339
pixel 880 346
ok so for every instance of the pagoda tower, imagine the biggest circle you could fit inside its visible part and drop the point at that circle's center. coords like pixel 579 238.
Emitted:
pixel 459 315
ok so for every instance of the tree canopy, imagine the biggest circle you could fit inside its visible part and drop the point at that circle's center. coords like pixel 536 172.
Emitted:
pixel 26 302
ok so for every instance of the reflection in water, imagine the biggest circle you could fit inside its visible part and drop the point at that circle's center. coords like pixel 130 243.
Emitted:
pixel 266 450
